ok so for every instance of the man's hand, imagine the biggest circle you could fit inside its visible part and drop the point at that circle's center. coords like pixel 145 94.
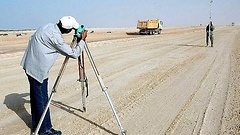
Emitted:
pixel 84 35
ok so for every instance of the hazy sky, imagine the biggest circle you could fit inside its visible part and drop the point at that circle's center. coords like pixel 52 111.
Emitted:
pixel 31 14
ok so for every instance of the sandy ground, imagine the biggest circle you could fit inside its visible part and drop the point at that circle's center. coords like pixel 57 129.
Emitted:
pixel 163 84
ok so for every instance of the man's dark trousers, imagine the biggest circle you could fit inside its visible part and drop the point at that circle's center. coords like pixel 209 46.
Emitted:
pixel 38 100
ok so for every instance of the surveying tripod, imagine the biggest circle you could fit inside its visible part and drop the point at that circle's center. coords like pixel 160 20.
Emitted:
pixel 84 85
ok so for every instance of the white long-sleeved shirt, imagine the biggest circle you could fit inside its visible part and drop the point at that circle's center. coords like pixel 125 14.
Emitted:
pixel 43 49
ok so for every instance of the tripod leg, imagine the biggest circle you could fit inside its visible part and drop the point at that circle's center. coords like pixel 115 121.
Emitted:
pixel 114 112
pixel 84 96
pixel 83 80
pixel 53 90
pixel 104 89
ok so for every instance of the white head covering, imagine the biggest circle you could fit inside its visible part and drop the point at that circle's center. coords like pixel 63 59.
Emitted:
pixel 69 22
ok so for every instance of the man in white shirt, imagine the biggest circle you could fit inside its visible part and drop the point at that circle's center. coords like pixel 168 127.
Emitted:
pixel 41 53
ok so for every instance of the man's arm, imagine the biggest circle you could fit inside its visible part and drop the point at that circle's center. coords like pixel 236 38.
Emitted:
pixel 62 47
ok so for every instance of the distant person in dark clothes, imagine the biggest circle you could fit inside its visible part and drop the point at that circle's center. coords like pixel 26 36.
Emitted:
pixel 209 32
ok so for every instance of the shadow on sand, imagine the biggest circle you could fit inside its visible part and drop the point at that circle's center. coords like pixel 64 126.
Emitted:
pixel 15 102
pixel 70 110
pixel 132 33
pixel 191 45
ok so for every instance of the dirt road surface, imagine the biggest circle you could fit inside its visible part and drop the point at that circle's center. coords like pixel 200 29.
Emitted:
pixel 163 84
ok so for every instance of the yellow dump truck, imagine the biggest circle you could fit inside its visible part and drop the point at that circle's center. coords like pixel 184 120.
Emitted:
pixel 150 27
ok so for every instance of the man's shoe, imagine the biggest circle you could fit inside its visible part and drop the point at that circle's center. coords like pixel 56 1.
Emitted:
pixel 51 132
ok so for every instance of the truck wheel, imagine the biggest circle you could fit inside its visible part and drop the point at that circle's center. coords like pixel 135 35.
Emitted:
pixel 151 32
pixel 159 32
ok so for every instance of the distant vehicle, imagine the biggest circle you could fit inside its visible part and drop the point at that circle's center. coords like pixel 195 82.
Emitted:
pixel 150 27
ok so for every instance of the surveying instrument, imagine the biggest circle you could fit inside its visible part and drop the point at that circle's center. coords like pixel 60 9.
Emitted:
pixel 83 79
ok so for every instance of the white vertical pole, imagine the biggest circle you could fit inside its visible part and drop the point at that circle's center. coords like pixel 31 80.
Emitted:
pixel 210 19
pixel 211 1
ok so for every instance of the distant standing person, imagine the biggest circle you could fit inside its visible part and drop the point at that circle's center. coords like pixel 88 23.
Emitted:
pixel 41 53
pixel 209 32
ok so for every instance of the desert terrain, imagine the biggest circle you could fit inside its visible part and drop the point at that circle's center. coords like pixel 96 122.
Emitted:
pixel 167 84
